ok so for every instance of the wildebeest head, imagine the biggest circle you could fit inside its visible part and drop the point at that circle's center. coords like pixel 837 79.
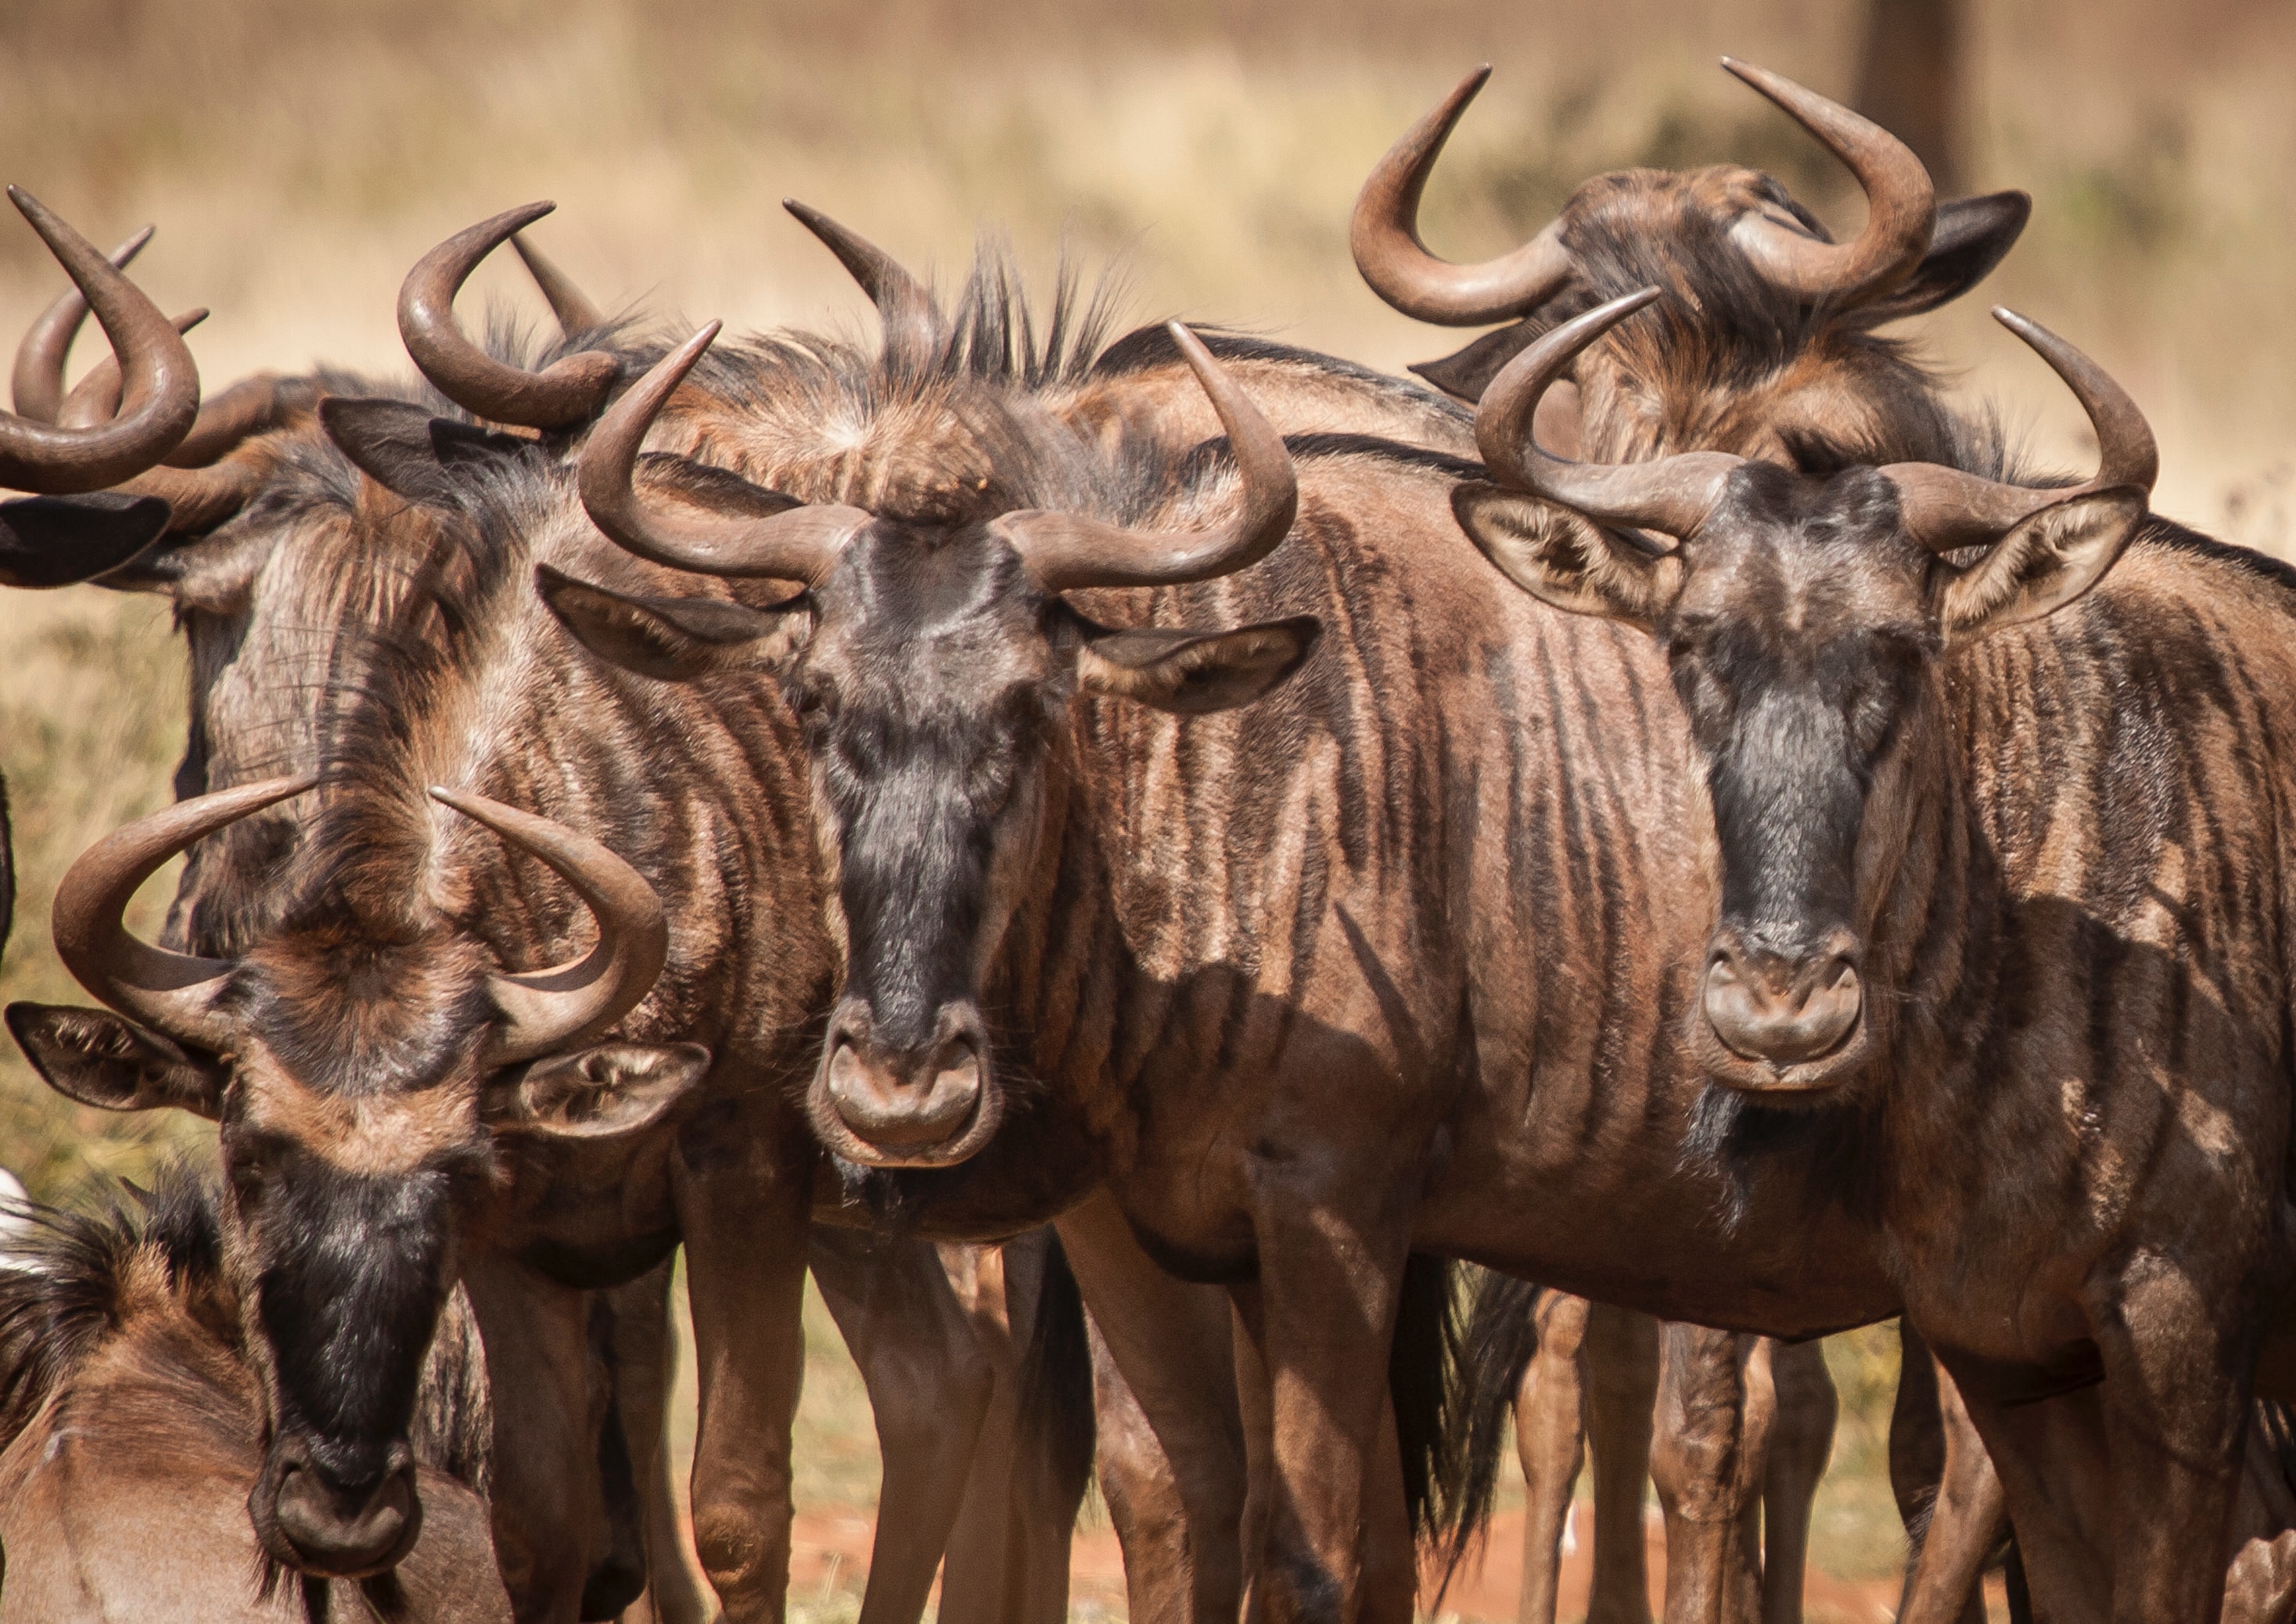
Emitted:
pixel 933 657
pixel 363 1077
pixel 1768 350
pixel 1805 618
pixel 374 1066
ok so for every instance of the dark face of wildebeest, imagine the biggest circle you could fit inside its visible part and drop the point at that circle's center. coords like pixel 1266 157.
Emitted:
pixel 1768 347
pixel 1805 618
pixel 933 659
pixel 364 1088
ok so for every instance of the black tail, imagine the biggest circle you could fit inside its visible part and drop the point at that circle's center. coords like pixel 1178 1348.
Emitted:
pixel 1056 1425
pixel 1491 1354
pixel 1418 1378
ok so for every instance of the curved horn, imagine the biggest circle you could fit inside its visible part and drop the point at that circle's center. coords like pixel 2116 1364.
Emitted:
pixel 253 406
pixel 162 393
pixel 1672 495
pixel 905 307
pixel 1063 551
pixel 1384 237
pixel 1900 202
pixel 1945 508
pixel 94 400
pixel 37 385
pixel 173 993
pixel 545 1010
pixel 574 311
pixel 201 489
pixel 560 395
pixel 778 537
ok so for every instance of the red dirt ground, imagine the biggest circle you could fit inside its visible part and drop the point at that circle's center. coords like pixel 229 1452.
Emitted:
pixel 832 1548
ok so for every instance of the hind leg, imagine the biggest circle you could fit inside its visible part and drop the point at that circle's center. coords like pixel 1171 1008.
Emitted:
pixel 1947 1492
pixel 1704 1465
pixel 1801 1441
pixel 1550 1439
pixel 645 1373
pixel 928 1386
pixel 1621 1362
pixel 1173 1452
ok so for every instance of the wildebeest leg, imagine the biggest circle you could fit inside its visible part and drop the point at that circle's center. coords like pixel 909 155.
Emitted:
pixel 930 1384
pixel 1622 1364
pixel 2056 1476
pixel 1322 1317
pixel 1143 1493
pixel 1801 1442
pixel 2176 1416
pixel 1007 1561
pixel 549 1523
pixel 618 1571
pixel 1550 1439
pixel 1179 1509
pixel 1391 1570
pixel 1947 1492
pixel 745 1222
pixel 1056 1452
pixel 645 1377
pixel 1706 1465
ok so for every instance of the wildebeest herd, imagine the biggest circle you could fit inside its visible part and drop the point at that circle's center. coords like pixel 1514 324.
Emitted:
pixel 1136 859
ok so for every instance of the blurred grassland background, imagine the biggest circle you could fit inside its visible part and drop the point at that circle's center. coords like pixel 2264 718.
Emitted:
pixel 298 155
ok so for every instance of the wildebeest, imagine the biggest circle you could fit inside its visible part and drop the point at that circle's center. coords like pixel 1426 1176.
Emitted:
pixel 131 1431
pixel 330 628
pixel 1768 351
pixel 1990 787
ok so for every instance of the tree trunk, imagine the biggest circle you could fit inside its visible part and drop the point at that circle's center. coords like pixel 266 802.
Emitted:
pixel 1909 80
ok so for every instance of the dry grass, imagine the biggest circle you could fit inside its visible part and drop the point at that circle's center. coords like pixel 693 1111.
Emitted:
pixel 298 155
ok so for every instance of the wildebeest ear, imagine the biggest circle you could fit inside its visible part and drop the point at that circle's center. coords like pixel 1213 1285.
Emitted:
pixel 56 541
pixel 99 1059
pixel 1564 558
pixel 1466 374
pixel 672 639
pixel 2042 565
pixel 1192 673
pixel 598 1092
pixel 409 452
pixel 1973 234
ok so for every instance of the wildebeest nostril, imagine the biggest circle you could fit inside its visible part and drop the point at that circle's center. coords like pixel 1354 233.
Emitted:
pixel 1782 1012
pixel 348 1535
pixel 892 1100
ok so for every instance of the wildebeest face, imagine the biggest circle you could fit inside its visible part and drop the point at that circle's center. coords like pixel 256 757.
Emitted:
pixel 366 1078
pixel 934 660
pixel 1803 615
pixel 351 1180
pixel 1798 642
pixel 934 680
pixel 1805 632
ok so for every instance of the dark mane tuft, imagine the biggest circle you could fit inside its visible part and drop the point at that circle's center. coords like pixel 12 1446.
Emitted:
pixel 62 1282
